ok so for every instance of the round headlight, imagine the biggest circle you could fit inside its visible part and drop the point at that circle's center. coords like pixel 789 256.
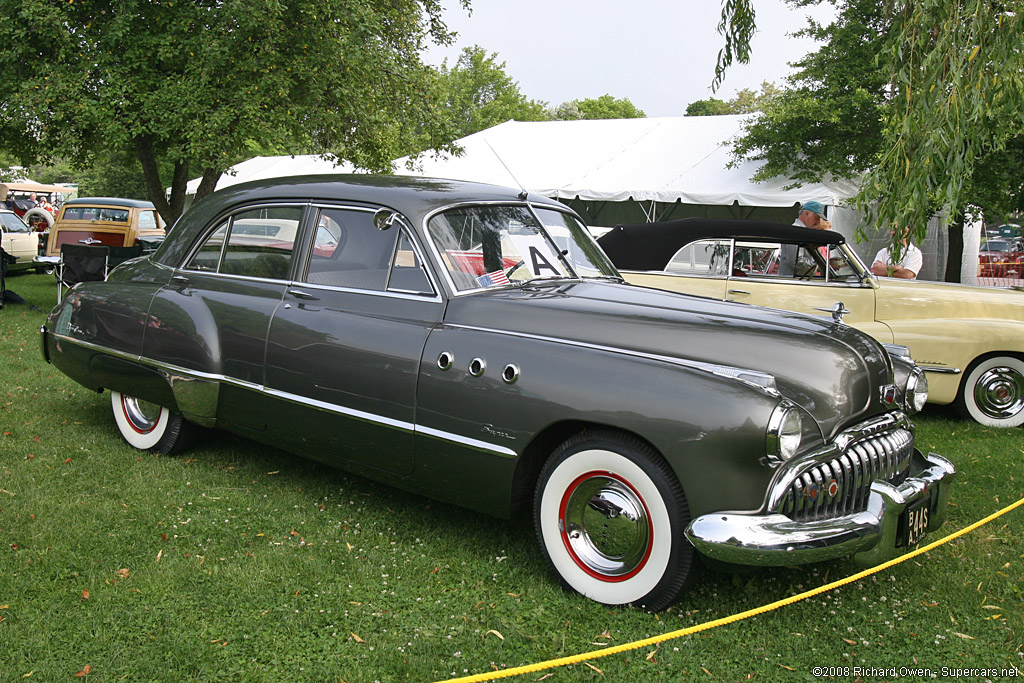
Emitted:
pixel 785 429
pixel 917 391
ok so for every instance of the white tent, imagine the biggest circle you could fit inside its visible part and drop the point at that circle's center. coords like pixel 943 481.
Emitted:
pixel 259 168
pixel 630 170
pixel 612 171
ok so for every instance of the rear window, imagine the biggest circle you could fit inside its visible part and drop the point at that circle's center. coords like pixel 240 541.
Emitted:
pixel 106 214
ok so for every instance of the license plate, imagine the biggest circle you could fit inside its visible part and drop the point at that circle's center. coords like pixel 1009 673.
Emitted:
pixel 914 522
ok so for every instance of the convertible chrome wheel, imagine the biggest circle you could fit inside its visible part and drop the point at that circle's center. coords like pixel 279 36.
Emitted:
pixel 149 427
pixel 610 515
pixel 993 392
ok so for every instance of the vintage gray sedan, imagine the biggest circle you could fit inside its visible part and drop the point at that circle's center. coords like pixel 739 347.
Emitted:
pixel 473 344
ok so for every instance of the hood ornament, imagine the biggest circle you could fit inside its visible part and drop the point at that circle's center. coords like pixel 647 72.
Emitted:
pixel 837 311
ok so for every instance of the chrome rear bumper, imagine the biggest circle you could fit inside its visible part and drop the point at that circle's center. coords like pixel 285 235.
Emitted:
pixel 871 535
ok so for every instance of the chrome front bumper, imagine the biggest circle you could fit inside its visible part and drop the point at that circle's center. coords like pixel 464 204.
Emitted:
pixel 870 536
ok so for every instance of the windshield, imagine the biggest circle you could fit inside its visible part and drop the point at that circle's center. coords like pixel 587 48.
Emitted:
pixel 492 246
pixel 12 223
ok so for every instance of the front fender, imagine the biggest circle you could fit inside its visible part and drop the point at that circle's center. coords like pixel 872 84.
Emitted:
pixel 692 417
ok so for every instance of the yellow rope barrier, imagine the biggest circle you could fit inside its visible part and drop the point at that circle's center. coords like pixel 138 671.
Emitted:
pixel 635 645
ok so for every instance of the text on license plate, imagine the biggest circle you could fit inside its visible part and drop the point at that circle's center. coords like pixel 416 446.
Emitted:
pixel 915 522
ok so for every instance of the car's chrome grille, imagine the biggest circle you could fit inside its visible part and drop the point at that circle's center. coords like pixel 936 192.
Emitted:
pixel 840 486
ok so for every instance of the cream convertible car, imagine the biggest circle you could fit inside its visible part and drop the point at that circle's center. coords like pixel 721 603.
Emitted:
pixel 970 340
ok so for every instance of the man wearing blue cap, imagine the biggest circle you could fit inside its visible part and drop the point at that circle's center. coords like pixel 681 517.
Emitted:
pixel 812 215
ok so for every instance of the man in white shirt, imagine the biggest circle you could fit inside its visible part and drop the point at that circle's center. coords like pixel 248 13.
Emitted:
pixel 907 267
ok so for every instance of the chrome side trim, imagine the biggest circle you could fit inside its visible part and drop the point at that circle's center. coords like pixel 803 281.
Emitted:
pixel 466 441
pixel 182 379
pixel 754 378
pixel 940 369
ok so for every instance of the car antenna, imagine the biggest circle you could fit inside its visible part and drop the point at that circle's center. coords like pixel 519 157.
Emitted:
pixel 522 190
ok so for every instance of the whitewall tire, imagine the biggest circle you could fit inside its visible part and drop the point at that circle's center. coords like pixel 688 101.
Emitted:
pixel 992 392
pixel 609 515
pixel 149 427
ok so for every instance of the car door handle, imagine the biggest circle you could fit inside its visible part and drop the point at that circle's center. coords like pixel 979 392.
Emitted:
pixel 179 280
pixel 738 291
pixel 299 294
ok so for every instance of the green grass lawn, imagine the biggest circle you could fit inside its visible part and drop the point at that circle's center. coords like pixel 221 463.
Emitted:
pixel 241 562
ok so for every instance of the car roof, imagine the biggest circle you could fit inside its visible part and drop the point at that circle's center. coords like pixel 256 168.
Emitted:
pixel 415 197
pixel 109 201
pixel 650 246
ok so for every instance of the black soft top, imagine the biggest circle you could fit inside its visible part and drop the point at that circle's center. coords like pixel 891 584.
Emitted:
pixel 650 246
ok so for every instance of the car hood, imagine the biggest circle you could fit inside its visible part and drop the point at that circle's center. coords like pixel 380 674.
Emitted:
pixel 831 370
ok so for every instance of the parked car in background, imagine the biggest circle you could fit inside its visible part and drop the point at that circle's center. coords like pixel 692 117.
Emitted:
pixel 38 213
pixel 109 221
pixel 970 340
pixel 1001 258
pixel 473 344
pixel 18 241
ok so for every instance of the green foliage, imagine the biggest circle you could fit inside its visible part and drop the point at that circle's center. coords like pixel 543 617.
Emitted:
pixel 477 94
pixel 746 101
pixel 828 121
pixel 603 107
pixel 198 83
pixel 922 97
pixel 957 78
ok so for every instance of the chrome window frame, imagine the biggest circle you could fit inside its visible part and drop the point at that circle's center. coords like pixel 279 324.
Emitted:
pixel 403 224
pixel 230 214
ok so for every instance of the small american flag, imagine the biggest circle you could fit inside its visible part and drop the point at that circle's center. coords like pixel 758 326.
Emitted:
pixel 495 278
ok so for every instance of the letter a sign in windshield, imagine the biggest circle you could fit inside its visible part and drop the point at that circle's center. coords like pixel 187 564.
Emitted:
pixel 537 254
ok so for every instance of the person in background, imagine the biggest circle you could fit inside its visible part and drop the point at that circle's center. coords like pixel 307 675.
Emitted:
pixel 909 263
pixel 812 215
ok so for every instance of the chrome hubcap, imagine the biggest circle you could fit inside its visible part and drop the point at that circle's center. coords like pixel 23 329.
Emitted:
pixel 999 392
pixel 142 415
pixel 606 526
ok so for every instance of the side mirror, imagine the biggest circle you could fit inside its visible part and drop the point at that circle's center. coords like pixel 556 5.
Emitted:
pixel 384 219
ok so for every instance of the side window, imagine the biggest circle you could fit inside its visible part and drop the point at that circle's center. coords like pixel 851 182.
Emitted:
pixel 147 220
pixel 255 243
pixel 801 261
pixel 349 251
pixel 407 272
pixel 709 258
pixel 208 257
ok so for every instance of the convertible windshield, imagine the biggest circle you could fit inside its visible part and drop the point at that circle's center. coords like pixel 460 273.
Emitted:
pixel 488 246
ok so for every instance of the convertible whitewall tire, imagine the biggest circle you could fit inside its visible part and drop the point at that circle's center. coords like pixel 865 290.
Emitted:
pixel 992 393
pixel 609 515
pixel 149 427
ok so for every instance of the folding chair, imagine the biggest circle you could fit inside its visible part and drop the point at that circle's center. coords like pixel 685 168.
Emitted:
pixel 80 263
pixel 119 255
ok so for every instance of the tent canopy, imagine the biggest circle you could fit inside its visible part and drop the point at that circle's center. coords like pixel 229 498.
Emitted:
pixel 652 168
pixel 610 171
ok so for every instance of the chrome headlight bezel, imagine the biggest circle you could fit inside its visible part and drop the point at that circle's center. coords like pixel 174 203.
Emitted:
pixel 917 391
pixel 784 432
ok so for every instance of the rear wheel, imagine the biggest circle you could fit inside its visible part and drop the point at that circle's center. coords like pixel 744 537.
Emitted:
pixel 150 427
pixel 609 515
pixel 992 393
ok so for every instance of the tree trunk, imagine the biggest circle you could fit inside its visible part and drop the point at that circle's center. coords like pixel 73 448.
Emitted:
pixel 168 210
pixel 208 184
pixel 955 250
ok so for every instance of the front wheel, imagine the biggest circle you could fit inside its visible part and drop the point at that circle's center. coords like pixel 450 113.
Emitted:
pixel 150 427
pixel 992 393
pixel 609 515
